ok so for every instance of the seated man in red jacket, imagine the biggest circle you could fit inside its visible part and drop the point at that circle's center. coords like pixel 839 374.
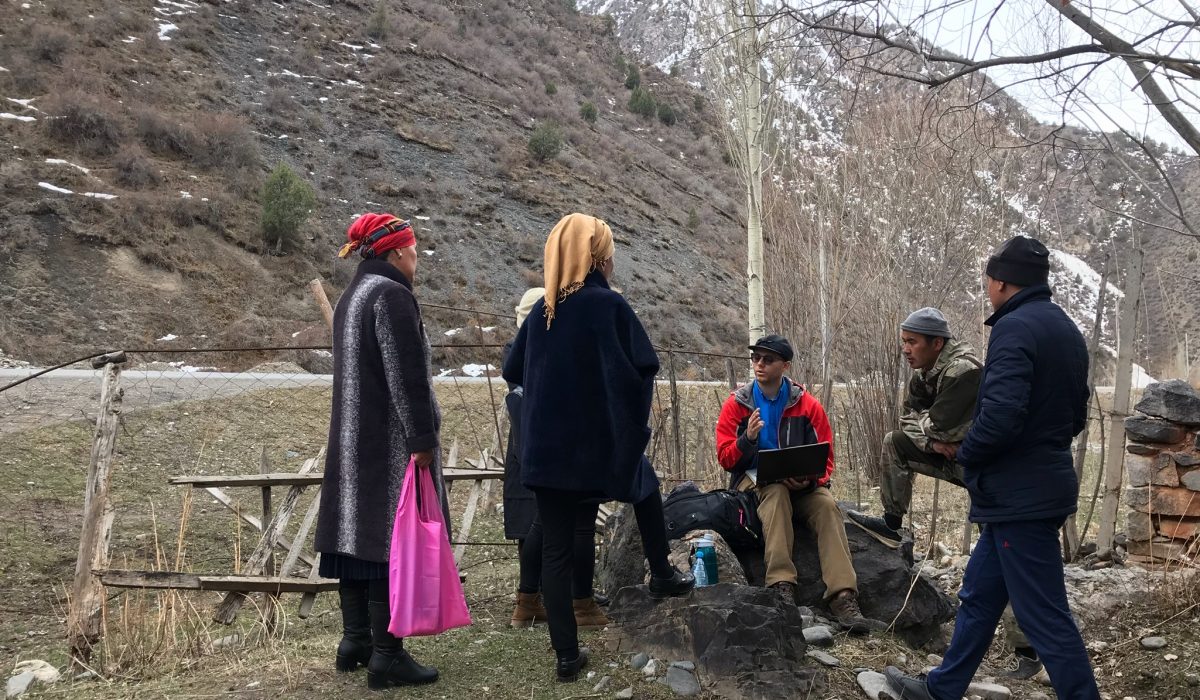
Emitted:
pixel 773 412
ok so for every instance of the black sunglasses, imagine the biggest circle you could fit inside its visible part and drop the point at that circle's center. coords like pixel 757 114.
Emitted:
pixel 768 360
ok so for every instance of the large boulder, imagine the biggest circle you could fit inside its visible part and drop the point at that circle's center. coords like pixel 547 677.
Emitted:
pixel 745 642
pixel 1143 429
pixel 884 580
pixel 884 577
pixel 1175 401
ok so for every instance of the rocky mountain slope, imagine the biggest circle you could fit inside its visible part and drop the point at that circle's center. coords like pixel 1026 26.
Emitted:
pixel 138 135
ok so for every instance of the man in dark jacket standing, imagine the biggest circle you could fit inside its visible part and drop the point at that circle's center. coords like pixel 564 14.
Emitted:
pixel 1017 467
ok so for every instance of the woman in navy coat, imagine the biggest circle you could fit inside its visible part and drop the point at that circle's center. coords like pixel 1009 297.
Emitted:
pixel 587 368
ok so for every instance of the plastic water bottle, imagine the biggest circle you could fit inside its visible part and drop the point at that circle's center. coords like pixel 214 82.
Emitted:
pixel 706 549
pixel 698 570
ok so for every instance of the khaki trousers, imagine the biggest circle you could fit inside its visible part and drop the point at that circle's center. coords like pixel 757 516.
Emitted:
pixel 777 506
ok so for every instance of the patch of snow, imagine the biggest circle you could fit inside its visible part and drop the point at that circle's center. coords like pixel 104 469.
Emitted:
pixel 428 252
pixel 185 195
pixel 99 195
pixel 444 373
pixel 453 332
pixel 54 188
pixel 352 47
pixel 473 370
pixel 1141 378
pixel 488 329
pixel 60 161
pixel 4 70
pixel 130 39
pixel 167 338
pixel 164 30
pixel 18 117
pixel 421 218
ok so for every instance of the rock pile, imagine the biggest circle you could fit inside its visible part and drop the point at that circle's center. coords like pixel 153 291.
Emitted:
pixel 1163 467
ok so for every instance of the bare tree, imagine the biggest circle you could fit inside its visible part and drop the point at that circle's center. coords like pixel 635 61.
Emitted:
pixel 745 76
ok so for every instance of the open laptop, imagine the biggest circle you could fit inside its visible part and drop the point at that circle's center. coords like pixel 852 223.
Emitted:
pixel 803 462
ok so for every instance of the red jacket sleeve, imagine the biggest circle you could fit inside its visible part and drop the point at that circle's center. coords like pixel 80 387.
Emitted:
pixel 729 443
pixel 820 422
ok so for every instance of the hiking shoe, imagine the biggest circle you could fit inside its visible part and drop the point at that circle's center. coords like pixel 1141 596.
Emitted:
pixel 1028 666
pixel 909 687
pixel 601 599
pixel 588 615
pixel 875 524
pixel 844 607
pixel 678 584
pixel 528 610
pixel 567 671
pixel 786 590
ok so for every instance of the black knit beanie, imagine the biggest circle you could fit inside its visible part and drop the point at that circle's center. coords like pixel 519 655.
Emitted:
pixel 1020 260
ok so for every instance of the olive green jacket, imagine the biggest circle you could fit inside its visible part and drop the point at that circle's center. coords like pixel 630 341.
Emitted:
pixel 940 402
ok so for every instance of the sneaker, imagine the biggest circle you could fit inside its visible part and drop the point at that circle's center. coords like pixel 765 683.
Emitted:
pixel 678 584
pixel 588 615
pixel 528 610
pixel 909 687
pixel 844 607
pixel 786 590
pixel 567 671
pixel 874 524
pixel 1028 666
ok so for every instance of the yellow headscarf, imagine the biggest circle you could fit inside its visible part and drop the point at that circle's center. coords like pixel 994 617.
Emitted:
pixel 577 245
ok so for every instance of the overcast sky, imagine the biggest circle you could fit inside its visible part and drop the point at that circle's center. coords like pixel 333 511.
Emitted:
pixel 1108 97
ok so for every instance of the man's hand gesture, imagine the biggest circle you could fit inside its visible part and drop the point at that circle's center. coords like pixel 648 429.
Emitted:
pixel 754 425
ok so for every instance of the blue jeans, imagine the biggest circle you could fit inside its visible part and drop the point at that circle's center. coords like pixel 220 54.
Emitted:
pixel 1020 561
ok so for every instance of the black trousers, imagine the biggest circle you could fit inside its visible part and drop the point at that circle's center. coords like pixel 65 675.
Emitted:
pixel 559 511
pixel 583 553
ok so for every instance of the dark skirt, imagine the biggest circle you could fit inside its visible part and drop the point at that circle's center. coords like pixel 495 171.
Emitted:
pixel 344 567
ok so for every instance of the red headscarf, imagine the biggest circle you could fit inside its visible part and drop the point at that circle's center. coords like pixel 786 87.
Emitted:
pixel 376 234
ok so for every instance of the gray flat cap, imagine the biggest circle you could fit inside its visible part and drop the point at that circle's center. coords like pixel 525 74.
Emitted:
pixel 928 321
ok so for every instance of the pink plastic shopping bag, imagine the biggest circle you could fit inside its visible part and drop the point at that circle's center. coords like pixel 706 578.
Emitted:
pixel 425 594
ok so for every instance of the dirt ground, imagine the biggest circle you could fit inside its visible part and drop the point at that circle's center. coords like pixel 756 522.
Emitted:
pixel 165 646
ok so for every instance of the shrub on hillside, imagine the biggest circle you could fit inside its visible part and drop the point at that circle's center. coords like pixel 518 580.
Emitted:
pixel 666 115
pixel 551 89
pixel 641 102
pixel 587 112
pixel 163 135
pixel 85 121
pixel 633 77
pixel 377 26
pixel 49 44
pixel 545 142
pixel 224 141
pixel 287 201
pixel 134 169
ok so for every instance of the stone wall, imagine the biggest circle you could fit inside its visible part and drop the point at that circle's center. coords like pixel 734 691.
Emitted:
pixel 1162 467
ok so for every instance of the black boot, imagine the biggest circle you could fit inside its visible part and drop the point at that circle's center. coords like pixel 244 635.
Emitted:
pixel 677 584
pixel 355 648
pixel 567 669
pixel 390 664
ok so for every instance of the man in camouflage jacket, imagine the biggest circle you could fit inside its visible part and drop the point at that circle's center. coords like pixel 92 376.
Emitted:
pixel 939 407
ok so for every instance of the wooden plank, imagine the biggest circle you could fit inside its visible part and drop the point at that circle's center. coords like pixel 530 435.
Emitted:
pixel 451 462
pixel 260 480
pixel 318 292
pixel 271 600
pixel 464 530
pixel 176 580
pixel 266 545
pixel 118 578
pixel 295 551
pixel 87 591
pixel 283 542
pixel 285 479
pixel 306 602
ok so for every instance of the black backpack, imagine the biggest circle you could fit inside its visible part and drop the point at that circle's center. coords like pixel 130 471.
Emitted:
pixel 731 514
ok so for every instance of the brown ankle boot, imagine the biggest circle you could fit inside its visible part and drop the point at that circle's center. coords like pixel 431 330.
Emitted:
pixel 528 610
pixel 588 615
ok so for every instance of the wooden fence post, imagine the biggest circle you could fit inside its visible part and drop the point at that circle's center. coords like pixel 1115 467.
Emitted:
pixel 732 375
pixel 676 435
pixel 87 593
pixel 318 292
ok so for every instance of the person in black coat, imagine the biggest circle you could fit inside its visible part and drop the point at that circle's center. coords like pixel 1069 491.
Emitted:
pixel 521 522
pixel 1017 467
pixel 587 369
pixel 384 412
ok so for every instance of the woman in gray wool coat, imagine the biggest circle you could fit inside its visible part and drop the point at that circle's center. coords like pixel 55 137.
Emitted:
pixel 384 412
